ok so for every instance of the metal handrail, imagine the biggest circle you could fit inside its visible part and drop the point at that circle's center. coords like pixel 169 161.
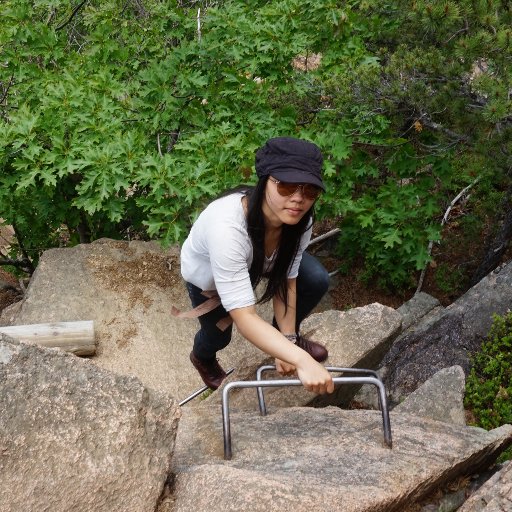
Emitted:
pixel 296 382
pixel 264 368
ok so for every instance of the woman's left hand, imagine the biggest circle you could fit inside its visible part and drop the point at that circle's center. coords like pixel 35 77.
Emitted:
pixel 284 368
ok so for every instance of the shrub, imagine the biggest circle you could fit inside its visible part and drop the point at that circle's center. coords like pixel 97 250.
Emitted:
pixel 489 385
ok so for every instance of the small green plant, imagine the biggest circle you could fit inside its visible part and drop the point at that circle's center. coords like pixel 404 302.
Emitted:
pixel 448 279
pixel 489 385
pixel 205 394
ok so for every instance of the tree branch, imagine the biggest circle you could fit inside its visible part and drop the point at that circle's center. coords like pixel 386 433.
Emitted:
pixel 445 219
pixel 438 127
pixel 73 14
pixel 330 233
pixel 158 144
pixel 7 87
pixel 29 266
pixel 199 24
pixel 50 16
pixel 465 29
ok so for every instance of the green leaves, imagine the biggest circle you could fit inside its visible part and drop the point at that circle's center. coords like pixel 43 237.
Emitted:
pixel 390 238
pixel 392 223
pixel 489 385
pixel 136 116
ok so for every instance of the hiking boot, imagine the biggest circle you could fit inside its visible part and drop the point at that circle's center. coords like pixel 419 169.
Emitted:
pixel 210 370
pixel 315 350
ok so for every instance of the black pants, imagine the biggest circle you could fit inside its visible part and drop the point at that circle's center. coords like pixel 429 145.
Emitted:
pixel 312 284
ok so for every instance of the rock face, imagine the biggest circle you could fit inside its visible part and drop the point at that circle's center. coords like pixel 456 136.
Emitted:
pixel 319 460
pixel 440 398
pixel 127 289
pixel 358 337
pixel 88 436
pixel 494 496
pixel 76 437
pixel 416 308
pixel 448 337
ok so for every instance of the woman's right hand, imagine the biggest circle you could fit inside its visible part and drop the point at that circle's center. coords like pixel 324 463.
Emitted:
pixel 315 377
pixel 260 333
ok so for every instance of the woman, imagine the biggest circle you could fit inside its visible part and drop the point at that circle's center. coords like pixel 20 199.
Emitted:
pixel 256 232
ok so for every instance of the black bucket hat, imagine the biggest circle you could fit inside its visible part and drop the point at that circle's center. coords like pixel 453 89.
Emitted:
pixel 291 160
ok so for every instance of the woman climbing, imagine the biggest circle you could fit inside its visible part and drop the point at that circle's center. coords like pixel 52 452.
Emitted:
pixel 252 233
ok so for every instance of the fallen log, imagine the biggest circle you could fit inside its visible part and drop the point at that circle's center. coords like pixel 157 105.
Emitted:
pixel 74 337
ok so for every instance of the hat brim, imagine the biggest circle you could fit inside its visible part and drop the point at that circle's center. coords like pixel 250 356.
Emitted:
pixel 297 176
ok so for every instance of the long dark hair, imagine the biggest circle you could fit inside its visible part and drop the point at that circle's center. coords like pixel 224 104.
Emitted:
pixel 286 250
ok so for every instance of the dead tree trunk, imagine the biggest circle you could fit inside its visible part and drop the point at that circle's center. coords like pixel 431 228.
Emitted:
pixel 74 337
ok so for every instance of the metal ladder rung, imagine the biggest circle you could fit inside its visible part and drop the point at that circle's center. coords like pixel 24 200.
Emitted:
pixel 296 382
pixel 261 369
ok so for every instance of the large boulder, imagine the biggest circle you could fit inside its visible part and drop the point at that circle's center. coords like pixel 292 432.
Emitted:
pixel 319 460
pixel 127 289
pixel 76 437
pixel 448 337
pixel 494 496
pixel 420 310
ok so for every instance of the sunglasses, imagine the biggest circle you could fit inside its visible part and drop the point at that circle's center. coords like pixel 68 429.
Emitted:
pixel 285 189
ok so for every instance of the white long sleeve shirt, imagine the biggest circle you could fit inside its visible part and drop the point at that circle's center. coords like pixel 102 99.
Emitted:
pixel 217 254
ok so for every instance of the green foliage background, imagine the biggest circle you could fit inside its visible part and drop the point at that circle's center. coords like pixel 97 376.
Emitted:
pixel 128 116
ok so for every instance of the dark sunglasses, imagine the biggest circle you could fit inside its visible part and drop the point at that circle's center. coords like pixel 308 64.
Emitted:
pixel 285 189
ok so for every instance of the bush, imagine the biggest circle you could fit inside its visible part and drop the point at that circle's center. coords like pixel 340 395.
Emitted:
pixel 489 385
